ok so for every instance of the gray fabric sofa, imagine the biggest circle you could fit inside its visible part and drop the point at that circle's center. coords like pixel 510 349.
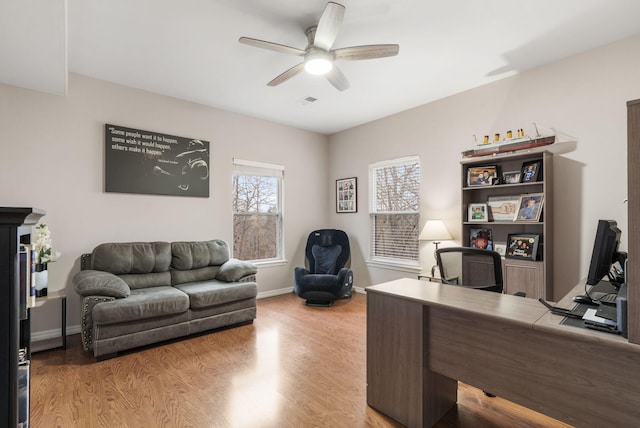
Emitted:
pixel 139 293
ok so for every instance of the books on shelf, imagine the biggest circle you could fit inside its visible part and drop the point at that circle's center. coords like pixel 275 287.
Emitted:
pixel 25 281
pixel 27 257
pixel 23 393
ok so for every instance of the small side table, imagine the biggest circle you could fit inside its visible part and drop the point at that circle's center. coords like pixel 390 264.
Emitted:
pixel 62 296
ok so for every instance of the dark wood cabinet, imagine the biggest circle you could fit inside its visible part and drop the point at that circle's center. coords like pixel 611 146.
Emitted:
pixel 15 228
pixel 633 189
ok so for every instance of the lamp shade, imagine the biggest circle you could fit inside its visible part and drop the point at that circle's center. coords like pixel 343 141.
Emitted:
pixel 435 230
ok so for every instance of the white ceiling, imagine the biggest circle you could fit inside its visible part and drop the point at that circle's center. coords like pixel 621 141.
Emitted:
pixel 189 49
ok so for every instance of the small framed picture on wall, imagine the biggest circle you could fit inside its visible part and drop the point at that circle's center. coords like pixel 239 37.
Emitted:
pixel 346 195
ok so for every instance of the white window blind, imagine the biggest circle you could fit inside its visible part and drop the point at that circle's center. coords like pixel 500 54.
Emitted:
pixel 257 210
pixel 394 209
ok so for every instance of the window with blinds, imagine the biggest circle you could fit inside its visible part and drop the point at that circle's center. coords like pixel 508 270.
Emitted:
pixel 394 209
pixel 257 211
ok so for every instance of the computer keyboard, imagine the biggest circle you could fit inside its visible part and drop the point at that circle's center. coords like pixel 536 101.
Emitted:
pixel 606 298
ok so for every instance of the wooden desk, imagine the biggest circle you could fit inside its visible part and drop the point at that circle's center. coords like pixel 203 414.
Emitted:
pixel 422 339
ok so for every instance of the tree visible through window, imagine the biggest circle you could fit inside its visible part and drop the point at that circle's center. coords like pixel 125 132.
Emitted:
pixel 257 219
pixel 395 209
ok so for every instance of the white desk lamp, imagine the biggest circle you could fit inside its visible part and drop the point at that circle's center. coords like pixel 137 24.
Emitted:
pixel 436 231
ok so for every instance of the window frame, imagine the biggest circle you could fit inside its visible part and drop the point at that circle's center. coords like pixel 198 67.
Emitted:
pixel 249 168
pixel 389 262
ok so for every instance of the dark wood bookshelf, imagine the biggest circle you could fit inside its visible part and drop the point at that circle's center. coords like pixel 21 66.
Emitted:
pixel 15 228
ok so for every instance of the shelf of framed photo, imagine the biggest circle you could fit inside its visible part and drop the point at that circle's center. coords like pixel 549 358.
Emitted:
pixel 515 169
pixel 505 203
pixel 507 209
pixel 491 237
pixel 504 186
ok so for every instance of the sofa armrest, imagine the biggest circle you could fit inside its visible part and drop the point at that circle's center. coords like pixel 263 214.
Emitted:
pixel 88 302
pixel 248 278
pixel 234 270
pixel 85 261
pixel 98 283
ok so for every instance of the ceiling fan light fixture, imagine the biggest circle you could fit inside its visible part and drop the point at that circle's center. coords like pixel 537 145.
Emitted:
pixel 319 55
pixel 317 63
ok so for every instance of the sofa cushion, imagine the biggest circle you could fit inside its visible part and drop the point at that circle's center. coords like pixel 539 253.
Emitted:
pixel 194 255
pixel 210 293
pixel 132 257
pixel 235 269
pixel 98 283
pixel 320 280
pixel 146 280
pixel 201 274
pixel 143 303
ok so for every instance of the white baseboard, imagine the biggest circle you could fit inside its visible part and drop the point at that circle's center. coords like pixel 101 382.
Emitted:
pixel 272 293
pixel 288 290
pixel 54 333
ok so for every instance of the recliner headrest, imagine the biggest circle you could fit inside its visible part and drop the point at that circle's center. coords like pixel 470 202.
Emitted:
pixel 324 239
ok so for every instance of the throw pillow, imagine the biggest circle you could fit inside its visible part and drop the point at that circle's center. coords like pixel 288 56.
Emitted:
pixel 235 269
pixel 95 282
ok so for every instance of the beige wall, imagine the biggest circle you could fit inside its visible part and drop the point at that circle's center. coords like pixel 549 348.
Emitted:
pixel 52 158
pixel 584 97
pixel 53 151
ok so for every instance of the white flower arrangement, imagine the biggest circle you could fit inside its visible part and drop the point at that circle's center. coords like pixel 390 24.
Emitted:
pixel 42 245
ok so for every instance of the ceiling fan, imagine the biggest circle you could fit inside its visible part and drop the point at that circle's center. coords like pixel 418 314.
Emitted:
pixel 318 56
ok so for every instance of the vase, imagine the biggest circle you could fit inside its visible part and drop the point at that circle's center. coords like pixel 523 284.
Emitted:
pixel 41 279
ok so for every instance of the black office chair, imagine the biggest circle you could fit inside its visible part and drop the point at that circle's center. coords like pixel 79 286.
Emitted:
pixel 470 267
pixel 326 275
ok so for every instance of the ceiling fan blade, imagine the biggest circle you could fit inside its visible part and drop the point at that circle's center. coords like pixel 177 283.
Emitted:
pixel 337 78
pixel 296 69
pixel 271 46
pixel 355 53
pixel 329 25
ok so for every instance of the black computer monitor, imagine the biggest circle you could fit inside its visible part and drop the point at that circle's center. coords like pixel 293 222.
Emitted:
pixel 605 249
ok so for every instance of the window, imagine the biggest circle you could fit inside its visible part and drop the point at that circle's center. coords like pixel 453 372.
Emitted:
pixel 257 211
pixel 395 211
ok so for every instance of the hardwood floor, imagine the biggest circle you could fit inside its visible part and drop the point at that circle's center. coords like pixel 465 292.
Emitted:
pixel 295 366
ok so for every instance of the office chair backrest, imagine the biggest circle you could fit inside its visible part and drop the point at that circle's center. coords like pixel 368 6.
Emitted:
pixel 470 267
